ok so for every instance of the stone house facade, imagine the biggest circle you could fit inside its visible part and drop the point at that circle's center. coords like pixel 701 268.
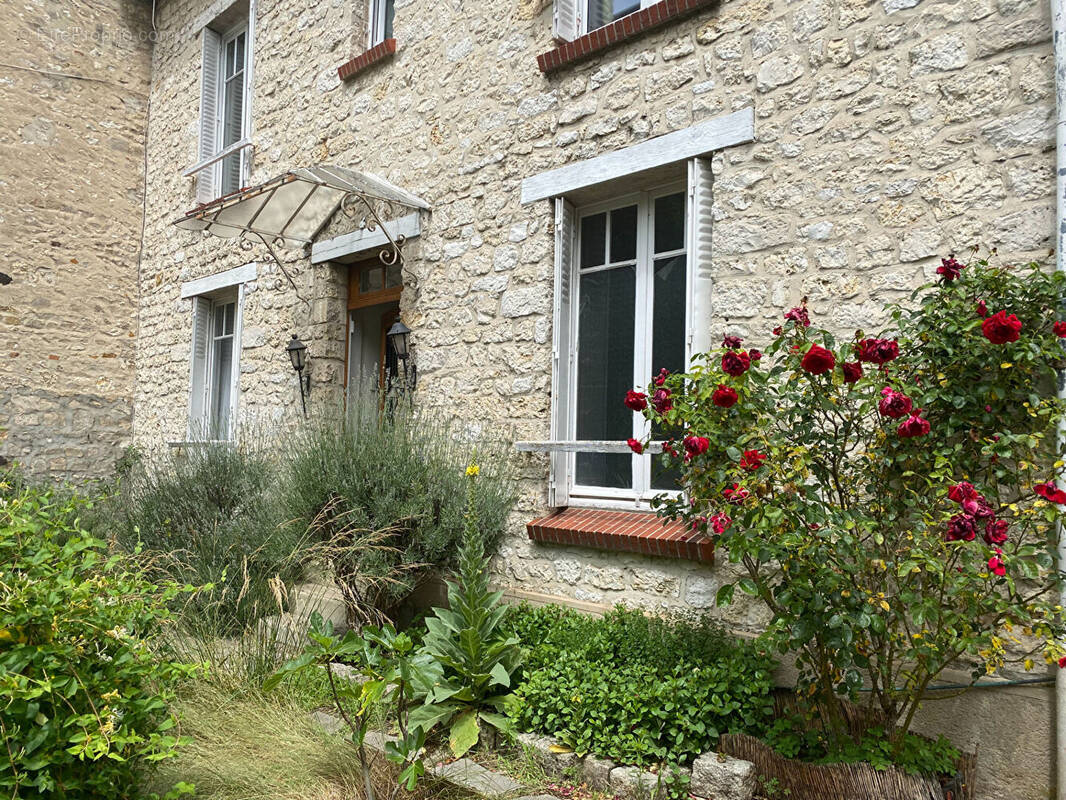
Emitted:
pixel 728 158
pixel 74 93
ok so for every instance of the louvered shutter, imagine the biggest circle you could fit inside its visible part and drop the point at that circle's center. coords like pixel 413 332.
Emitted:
pixel 201 335
pixel 699 219
pixel 562 351
pixel 211 44
pixel 566 19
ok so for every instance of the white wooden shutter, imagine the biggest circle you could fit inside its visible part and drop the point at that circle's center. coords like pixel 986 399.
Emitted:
pixel 211 44
pixel 698 313
pixel 566 19
pixel 562 351
pixel 201 336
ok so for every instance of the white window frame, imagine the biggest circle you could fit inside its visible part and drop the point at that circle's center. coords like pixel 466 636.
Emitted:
pixel 376 26
pixel 586 15
pixel 211 153
pixel 641 491
pixel 206 293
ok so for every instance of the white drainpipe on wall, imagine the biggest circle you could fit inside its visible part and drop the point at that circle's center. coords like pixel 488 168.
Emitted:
pixel 1058 33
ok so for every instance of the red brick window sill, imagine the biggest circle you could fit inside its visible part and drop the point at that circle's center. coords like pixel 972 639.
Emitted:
pixel 627 27
pixel 627 531
pixel 378 52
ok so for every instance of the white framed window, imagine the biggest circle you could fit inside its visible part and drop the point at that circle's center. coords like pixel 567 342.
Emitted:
pixel 215 365
pixel 632 296
pixel 224 149
pixel 382 13
pixel 574 18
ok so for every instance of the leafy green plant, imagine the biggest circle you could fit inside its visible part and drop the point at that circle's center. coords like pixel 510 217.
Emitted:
pixel 476 655
pixel 891 498
pixel 85 697
pixel 635 689
pixel 400 475
pixel 392 673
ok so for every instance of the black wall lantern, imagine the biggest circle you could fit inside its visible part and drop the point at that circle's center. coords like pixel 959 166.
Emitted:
pixel 399 341
pixel 297 351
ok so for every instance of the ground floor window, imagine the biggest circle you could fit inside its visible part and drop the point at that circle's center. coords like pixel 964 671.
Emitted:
pixel 213 386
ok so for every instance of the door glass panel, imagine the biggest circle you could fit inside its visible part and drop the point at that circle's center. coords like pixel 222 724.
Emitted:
pixel 393 276
pixel 605 372
pixel 623 234
pixel 668 340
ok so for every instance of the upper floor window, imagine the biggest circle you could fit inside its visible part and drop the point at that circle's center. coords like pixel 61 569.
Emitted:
pixel 573 18
pixel 225 81
pixel 604 12
pixel 381 16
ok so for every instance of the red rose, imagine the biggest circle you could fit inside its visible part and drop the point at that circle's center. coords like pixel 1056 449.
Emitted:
pixel 877 351
pixel 852 371
pixel 962 491
pixel 660 379
pixel 977 507
pixel 1001 328
pixel 755 354
pixel 913 426
pixel 1062 662
pixel 736 494
pixel 982 309
pixel 1050 492
pixel 961 528
pixel 751 460
pixel 798 315
pixel 637 401
pixel 949 268
pixel 1060 329
pixel 996 566
pixel 735 362
pixel 724 396
pixel 818 360
pixel 720 523
pixel 996 531
pixel 695 446
pixel 661 400
pixel 776 331
pixel 732 342
pixel 893 404
pixel 635 446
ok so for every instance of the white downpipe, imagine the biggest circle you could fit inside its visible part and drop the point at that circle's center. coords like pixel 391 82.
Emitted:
pixel 1058 32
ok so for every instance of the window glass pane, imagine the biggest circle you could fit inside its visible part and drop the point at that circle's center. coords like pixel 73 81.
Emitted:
pixel 393 277
pixel 624 234
pixel 220 387
pixel 372 279
pixel 390 12
pixel 670 222
pixel 228 60
pixel 602 12
pixel 605 372
pixel 231 314
pixel 593 240
pixel 668 340
pixel 220 321
pixel 238 61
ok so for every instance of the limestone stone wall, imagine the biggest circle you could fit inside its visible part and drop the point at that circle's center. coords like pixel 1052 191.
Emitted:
pixel 888 133
pixel 74 82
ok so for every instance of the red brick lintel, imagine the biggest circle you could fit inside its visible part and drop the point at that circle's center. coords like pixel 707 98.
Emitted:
pixel 620 30
pixel 378 52
pixel 629 531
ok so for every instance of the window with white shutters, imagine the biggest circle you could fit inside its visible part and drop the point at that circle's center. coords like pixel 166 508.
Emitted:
pixel 225 105
pixel 214 365
pixel 632 296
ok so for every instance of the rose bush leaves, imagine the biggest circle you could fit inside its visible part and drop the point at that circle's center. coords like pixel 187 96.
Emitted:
pixel 876 579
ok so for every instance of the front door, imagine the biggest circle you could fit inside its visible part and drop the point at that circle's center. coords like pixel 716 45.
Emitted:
pixel 373 306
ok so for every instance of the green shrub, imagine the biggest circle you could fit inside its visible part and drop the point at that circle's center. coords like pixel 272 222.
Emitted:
pixel 208 516
pixel 85 698
pixel 396 479
pixel 637 689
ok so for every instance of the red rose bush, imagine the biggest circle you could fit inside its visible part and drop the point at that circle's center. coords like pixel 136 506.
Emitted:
pixel 890 498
